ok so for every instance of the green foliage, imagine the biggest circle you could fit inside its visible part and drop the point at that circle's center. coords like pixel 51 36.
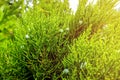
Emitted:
pixel 48 42
pixel 98 15
pixel 39 44
pixel 9 12
pixel 97 58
